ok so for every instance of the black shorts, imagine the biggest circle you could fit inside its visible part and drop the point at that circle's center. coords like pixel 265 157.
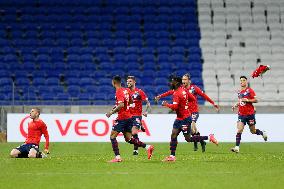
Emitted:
pixel 194 116
pixel 137 121
pixel 247 119
pixel 25 148
pixel 124 125
pixel 183 125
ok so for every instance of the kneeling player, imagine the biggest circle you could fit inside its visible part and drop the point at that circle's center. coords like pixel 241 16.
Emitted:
pixel 36 128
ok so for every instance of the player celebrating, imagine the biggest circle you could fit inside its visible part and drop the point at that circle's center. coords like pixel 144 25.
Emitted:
pixel 181 97
pixel 246 113
pixel 138 97
pixel 36 128
pixel 195 91
pixel 123 122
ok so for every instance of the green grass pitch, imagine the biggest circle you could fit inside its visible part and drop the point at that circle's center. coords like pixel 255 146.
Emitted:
pixel 84 165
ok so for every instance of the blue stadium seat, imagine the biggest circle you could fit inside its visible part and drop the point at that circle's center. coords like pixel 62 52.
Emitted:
pixel 73 90
pixel 134 65
pixel 161 81
pixel 57 89
pixel 52 81
pixel 86 81
pixel 107 66
pixel 132 50
pixel 91 89
pixel 72 80
pixel 63 97
pixel 83 40
pixel 100 97
pixel 106 89
pixel 25 82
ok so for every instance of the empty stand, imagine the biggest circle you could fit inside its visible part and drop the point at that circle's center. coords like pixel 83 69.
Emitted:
pixel 66 52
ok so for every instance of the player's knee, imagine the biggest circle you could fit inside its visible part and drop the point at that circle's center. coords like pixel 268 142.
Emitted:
pixel 187 139
pixel 253 131
pixel 174 135
pixel 32 153
pixel 13 153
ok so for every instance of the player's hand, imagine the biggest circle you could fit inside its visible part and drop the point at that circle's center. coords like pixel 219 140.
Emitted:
pixel 164 103
pixel 157 98
pixel 145 114
pixel 46 151
pixel 234 107
pixel 217 107
pixel 108 114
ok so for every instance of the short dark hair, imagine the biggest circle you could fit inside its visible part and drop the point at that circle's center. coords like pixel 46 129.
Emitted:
pixel 187 75
pixel 131 77
pixel 177 79
pixel 117 79
pixel 37 109
pixel 244 77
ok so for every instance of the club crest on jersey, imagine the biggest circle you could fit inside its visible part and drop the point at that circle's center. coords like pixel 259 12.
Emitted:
pixel 136 96
pixel 192 90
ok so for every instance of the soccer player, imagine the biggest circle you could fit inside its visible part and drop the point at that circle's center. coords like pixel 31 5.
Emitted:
pixel 138 97
pixel 36 128
pixel 180 105
pixel 246 113
pixel 195 91
pixel 124 121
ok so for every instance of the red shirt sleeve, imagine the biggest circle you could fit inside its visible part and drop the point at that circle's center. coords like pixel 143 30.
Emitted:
pixel 202 94
pixel 143 95
pixel 45 134
pixel 168 93
pixel 175 103
pixel 252 93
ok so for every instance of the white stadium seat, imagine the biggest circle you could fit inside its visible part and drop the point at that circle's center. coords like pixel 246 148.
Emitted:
pixel 239 40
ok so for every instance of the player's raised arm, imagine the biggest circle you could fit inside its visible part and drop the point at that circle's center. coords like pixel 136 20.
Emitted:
pixel 168 93
pixel 206 97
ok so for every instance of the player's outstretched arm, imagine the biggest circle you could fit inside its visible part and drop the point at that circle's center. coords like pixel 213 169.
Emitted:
pixel 207 98
pixel 173 106
pixel 168 93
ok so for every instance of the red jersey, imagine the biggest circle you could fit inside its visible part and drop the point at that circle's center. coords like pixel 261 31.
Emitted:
pixel 181 98
pixel 246 108
pixel 122 95
pixel 36 128
pixel 138 96
pixel 195 91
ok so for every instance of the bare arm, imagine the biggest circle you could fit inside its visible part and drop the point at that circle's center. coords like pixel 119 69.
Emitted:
pixel 148 108
pixel 116 109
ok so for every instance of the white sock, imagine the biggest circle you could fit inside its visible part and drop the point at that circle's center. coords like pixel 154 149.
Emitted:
pixel 237 147
pixel 172 156
pixel 147 147
pixel 117 157
pixel 135 150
